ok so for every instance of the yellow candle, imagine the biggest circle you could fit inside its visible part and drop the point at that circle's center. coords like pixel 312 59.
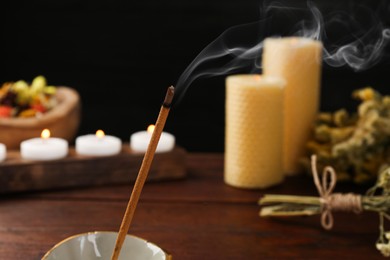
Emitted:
pixel 298 61
pixel 254 123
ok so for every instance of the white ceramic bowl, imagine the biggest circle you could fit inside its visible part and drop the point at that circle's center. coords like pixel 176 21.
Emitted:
pixel 100 245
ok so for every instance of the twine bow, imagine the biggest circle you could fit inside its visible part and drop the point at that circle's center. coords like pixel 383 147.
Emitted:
pixel 329 201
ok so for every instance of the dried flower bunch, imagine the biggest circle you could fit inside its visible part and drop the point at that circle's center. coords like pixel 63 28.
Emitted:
pixel 20 99
pixel 382 187
pixel 358 145
pixel 376 199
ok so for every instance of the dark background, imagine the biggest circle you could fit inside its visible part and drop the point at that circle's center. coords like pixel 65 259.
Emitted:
pixel 122 55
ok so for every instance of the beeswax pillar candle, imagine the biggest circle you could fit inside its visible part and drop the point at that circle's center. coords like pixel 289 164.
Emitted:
pixel 298 61
pixel 254 131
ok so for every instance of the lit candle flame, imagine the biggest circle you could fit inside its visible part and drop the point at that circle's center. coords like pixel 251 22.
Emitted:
pixel 45 134
pixel 100 134
pixel 150 129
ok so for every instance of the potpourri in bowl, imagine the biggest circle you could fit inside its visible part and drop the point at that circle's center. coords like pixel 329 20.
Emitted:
pixel 26 109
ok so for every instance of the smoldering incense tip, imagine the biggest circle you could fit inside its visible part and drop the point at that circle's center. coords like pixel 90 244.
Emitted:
pixel 169 97
pixel 143 173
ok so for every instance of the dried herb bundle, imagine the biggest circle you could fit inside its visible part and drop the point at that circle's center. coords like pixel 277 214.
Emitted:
pixel 376 199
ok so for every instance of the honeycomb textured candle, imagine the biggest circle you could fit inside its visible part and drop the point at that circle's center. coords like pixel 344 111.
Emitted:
pixel 254 123
pixel 298 61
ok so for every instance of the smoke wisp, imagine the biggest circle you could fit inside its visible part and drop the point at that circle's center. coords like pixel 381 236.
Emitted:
pixel 356 39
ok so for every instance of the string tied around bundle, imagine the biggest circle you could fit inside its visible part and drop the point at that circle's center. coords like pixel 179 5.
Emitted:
pixel 330 202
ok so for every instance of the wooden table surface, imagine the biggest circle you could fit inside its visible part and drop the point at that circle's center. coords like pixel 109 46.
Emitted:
pixel 196 218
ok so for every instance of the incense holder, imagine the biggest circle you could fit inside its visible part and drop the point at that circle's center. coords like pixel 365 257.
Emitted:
pixel 100 245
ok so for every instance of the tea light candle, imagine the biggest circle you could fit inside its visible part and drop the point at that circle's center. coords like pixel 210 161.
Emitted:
pixel 3 152
pixel 139 141
pixel 254 131
pixel 298 61
pixel 44 148
pixel 98 144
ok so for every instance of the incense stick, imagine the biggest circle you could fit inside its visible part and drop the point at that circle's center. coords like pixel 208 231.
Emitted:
pixel 143 172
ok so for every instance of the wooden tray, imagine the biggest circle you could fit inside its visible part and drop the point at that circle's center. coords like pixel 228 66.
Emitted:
pixel 17 174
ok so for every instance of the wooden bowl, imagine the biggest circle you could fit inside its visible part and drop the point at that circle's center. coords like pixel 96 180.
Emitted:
pixel 62 121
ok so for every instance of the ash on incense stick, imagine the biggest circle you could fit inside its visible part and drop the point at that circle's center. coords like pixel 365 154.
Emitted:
pixel 143 172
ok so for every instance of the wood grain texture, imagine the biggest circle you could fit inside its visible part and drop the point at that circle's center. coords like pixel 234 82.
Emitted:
pixel 17 174
pixel 198 217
